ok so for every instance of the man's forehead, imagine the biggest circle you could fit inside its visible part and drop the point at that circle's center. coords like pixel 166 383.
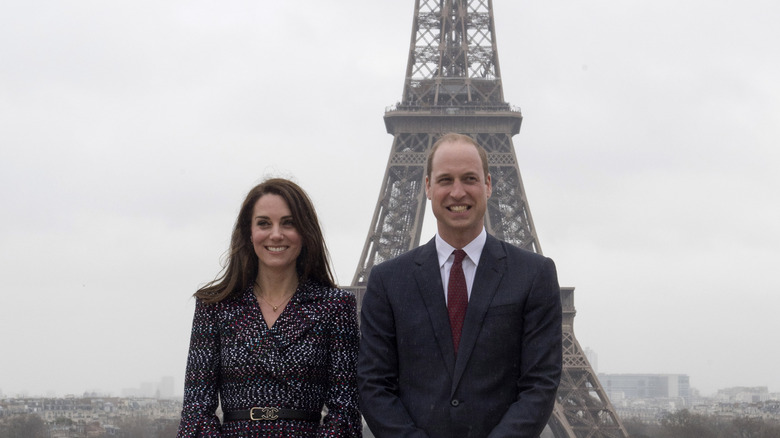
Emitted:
pixel 457 171
pixel 459 154
pixel 457 143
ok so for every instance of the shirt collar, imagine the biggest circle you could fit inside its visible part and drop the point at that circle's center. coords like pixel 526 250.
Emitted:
pixel 473 249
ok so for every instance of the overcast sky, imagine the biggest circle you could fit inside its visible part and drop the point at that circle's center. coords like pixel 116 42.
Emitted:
pixel 130 131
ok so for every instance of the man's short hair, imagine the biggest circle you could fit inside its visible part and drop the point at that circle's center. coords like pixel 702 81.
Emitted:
pixel 453 137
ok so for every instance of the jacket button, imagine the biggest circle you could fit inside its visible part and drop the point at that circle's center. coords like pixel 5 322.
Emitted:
pixel 455 403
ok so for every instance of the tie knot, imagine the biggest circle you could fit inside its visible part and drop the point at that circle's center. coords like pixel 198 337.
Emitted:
pixel 459 256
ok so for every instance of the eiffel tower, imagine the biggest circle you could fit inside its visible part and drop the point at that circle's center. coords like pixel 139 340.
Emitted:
pixel 453 84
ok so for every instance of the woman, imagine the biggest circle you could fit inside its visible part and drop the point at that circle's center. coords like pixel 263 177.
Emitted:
pixel 273 339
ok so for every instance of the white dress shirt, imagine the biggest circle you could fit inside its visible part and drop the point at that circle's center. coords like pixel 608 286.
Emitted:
pixel 470 262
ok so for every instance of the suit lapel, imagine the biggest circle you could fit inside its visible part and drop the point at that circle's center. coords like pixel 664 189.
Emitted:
pixel 428 277
pixel 490 270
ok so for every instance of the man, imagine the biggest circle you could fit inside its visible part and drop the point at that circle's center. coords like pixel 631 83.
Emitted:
pixel 420 374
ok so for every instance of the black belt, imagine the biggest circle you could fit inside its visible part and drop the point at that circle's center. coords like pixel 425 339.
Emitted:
pixel 270 414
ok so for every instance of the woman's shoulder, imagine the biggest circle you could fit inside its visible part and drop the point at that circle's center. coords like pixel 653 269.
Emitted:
pixel 328 294
pixel 324 290
pixel 234 299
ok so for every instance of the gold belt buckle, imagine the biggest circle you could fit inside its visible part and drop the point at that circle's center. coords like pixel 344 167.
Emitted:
pixel 267 413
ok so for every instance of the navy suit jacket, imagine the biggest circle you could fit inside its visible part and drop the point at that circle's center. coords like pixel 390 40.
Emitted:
pixel 504 379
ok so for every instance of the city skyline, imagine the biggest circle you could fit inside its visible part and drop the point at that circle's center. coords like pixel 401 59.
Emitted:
pixel 149 388
pixel 166 387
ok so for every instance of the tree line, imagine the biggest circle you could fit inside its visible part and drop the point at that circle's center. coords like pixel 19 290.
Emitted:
pixel 680 424
pixel 33 426
pixel 686 424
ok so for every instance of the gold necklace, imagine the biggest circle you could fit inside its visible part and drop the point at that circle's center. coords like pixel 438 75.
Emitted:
pixel 276 307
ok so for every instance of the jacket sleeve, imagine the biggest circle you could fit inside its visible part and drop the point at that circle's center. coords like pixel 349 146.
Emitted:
pixel 343 418
pixel 201 381
pixel 378 372
pixel 540 359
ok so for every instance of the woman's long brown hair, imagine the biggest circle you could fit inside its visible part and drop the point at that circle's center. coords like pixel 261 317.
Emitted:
pixel 241 268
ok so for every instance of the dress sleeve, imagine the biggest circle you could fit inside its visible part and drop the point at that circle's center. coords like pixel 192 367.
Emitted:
pixel 343 418
pixel 201 381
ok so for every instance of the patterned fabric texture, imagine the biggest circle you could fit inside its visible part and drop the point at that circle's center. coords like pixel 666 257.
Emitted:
pixel 305 361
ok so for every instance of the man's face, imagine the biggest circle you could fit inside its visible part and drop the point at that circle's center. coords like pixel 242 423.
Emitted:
pixel 458 191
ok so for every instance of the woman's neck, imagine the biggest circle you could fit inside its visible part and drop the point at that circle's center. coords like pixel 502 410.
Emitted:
pixel 276 285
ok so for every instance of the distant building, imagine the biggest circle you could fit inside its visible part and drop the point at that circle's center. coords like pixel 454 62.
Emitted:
pixel 593 359
pixel 92 416
pixel 647 386
pixel 165 388
pixel 744 394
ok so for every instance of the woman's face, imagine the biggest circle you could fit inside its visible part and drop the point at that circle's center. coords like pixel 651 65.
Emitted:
pixel 275 237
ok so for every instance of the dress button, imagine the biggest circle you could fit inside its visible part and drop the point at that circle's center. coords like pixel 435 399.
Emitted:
pixel 455 402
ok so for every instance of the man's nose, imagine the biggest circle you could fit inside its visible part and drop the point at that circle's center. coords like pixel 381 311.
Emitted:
pixel 457 190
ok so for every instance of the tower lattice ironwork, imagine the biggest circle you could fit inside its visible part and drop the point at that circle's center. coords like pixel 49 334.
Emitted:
pixel 453 84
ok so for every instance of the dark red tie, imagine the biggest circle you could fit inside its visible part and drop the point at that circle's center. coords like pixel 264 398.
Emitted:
pixel 457 297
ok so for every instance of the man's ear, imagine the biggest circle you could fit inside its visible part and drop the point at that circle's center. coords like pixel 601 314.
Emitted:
pixel 427 188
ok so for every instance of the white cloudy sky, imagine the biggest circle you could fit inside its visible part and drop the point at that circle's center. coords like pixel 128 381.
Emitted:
pixel 131 130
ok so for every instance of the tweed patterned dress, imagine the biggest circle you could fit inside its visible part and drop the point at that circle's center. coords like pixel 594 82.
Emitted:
pixel 306 360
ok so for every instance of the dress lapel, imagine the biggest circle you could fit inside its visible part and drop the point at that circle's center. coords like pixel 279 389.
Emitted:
pixel 297 318
pixel 428 277
pixel 258 335
pixel 490 270
pixel 295 321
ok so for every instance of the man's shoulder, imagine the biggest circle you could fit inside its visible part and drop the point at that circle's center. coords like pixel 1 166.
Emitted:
pixel 514 252
pixel 408 259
